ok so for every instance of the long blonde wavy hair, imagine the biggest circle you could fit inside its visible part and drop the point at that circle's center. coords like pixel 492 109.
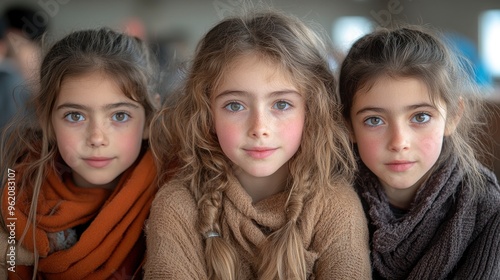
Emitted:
pixel 185 135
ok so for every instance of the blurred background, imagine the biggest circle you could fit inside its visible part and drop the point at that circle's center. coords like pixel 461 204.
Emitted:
pixel 173 27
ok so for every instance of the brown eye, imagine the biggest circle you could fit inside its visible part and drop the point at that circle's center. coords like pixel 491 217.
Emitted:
pixel 373 121
pixel 74 117
pixel 120 117
pixel 421 118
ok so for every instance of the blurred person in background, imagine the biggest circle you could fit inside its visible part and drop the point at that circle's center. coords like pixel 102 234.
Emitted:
pixel 21 30
pixel 10 80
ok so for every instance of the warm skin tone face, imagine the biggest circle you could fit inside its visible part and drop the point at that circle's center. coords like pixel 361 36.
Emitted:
pixel 259 117
pixel 98 129
pixel 399 133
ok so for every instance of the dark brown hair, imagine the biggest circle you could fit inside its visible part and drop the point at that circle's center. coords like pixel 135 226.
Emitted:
pixel 417 52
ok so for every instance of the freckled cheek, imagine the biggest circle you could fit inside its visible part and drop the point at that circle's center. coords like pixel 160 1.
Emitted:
pixel 291 133
pixel 430 147
pixel 68 145
pixel 130 140
pixel 368 140
pixel 369 149
pixel 228 135
pixel 127 141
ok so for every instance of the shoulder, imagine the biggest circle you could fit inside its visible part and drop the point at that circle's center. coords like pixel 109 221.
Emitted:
pixel 343 198
pixel 491 194
pixel 340 234
pixel 488 220
pixel 174 245
pixel 486 207
pixel 173 203
pixel 173 196
pixel 338 207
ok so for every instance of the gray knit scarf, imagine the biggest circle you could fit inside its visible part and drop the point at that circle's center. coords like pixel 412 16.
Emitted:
pixel 430 240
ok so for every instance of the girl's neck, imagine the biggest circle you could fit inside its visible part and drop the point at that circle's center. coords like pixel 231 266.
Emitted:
pixel 80 182
pixel 260 188
pixel 403 198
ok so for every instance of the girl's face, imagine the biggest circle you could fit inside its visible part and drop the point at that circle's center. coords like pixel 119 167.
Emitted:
pixel 98 129
pixel 399 133
pixel 259 117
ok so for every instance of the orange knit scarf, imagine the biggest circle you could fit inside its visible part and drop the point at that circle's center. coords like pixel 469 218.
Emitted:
pixel 116 219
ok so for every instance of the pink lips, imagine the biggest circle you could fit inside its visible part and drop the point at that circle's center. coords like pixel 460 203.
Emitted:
pixel 400 166
pixel 98 162
pixel 260 153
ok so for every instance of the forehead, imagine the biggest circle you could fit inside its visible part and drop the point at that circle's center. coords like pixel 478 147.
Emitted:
pixel 92 88
pixel 254 65
pixel 386 91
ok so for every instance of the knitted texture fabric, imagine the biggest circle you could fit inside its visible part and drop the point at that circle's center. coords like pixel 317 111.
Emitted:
pixel 112 244
pixel 332 225
pixel 445 235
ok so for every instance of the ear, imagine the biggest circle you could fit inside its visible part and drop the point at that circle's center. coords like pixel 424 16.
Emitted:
pixel 451 124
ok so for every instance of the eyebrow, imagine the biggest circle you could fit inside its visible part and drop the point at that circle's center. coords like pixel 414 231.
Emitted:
pixel 106 107
pixel 245 93
pixel 407 108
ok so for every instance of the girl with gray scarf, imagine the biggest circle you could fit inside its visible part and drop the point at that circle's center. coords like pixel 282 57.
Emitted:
pixel 415 120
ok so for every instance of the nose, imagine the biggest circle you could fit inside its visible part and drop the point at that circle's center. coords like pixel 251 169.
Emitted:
pixel 399 138
pixel 96 135
pixel 258 125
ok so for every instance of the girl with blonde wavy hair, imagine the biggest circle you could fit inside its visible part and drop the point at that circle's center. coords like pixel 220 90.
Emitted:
pixel 262 184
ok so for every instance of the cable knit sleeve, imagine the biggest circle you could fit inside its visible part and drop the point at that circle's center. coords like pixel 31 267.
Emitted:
pixel 174 246
pixel 342 238
pixel 482 258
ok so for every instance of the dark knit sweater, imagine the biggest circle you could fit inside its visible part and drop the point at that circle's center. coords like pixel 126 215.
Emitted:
pixel 444 235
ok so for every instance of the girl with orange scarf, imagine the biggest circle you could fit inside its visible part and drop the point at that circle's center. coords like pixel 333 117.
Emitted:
pixel 77 171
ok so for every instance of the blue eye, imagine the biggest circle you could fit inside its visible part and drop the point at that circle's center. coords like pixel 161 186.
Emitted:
pixel 421 118
pixel 374 121
pixel 234 107
pixel 281 105
pixel 74 117
pixel 120 117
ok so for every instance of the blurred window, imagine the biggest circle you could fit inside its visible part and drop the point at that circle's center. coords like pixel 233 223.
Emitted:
pixel 489 40
pixel 346 30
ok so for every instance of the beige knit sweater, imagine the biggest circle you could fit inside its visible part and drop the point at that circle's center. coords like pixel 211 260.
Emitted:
pixel 332 225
